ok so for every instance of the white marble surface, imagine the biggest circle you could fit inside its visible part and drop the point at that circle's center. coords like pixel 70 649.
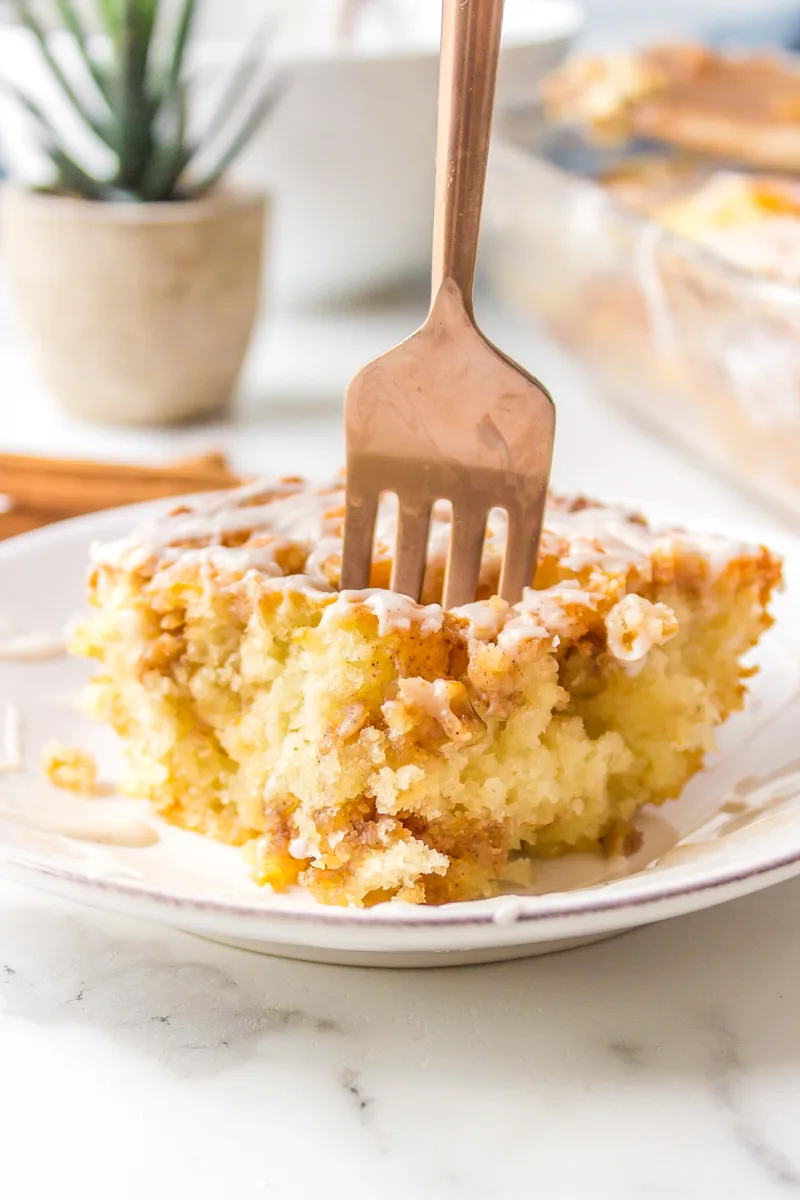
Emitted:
pixel 141 1062
pixel 664 1065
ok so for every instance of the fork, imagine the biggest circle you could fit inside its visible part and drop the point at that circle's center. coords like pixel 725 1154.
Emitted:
pixel 445 415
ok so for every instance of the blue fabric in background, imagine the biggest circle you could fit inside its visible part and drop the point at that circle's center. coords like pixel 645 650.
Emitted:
pixel 568 149
pixel 779 29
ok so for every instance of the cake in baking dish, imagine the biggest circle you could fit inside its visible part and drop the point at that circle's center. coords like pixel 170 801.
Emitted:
pixel 735 107
pixel 750 221
pixel 707 111
pixel 369 748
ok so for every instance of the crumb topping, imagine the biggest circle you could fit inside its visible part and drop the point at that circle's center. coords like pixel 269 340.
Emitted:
pixel 287 537
pixel 70 768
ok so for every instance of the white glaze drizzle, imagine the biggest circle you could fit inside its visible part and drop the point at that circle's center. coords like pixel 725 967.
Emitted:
pixel 508 911
pixel 291 515
pixel 556 609
pixel 485 618
pixel 238 559
pixel 32 647
pixel 130 833
pixel 392 610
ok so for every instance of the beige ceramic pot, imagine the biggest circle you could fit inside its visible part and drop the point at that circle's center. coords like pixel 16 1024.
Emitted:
pixel 137 313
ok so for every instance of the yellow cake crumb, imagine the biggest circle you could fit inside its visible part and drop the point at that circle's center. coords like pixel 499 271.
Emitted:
pixel 70 768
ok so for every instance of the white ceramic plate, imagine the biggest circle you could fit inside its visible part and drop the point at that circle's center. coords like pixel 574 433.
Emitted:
pixel 187 881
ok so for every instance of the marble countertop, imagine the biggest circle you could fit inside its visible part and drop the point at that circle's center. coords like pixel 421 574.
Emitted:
pixel 663 1064
pixel 135 1061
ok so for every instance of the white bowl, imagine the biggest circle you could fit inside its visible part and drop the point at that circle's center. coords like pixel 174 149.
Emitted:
pixel 348 154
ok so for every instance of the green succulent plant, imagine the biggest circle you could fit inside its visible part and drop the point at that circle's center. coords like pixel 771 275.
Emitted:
pixel 136 102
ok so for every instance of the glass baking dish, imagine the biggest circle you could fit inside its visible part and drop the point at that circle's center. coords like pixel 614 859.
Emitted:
pixel 706 353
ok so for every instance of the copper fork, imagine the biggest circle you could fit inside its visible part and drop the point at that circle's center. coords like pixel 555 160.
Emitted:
pixel 445 415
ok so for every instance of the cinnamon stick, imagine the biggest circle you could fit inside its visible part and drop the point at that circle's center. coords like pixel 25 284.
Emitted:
pixel 36 491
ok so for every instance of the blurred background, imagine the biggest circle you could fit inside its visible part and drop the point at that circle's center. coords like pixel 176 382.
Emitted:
pixel 148 314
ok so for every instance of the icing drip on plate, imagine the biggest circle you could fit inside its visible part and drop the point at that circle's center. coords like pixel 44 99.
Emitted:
pixel 11 737
pixel 127 832
pixel 32 647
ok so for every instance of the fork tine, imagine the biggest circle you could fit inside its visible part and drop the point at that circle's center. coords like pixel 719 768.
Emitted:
pixel 361 510
pixel 413 527
pixel 464 559
pixel 522 547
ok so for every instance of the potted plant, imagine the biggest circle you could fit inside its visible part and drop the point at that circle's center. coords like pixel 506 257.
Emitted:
pixel 138 284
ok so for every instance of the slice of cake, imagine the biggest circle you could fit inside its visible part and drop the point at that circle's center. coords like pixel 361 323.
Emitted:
pixel 736 107
pixel 367 747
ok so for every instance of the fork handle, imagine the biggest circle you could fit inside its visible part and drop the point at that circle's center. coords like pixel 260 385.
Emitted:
pixel 467 73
